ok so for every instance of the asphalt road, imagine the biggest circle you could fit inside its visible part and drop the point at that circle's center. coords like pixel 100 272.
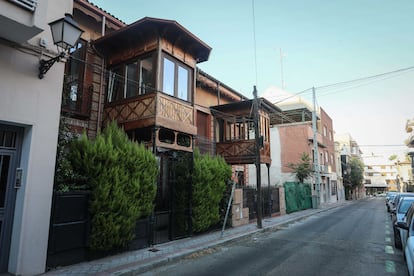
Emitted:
pixel 354 239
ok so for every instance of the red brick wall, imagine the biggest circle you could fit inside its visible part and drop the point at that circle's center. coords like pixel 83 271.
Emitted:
pixel 294 141
pixel 328 141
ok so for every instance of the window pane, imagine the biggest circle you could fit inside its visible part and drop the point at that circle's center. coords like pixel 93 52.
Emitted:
pixel 4 172
pixel 147 78
pixel 168 81
pixel 115 84
pixel 74 69
pixel 132 80
pixel 182 83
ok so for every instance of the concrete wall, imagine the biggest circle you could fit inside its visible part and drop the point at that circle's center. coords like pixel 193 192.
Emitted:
pixel 34 104
pixel 278 152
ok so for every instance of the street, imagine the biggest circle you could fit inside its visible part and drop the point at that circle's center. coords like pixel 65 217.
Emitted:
pixel 354 239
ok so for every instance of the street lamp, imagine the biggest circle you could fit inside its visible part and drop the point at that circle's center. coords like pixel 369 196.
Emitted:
pixel 65 33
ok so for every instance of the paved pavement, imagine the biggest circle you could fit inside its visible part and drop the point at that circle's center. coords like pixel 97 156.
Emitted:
pixel 139 261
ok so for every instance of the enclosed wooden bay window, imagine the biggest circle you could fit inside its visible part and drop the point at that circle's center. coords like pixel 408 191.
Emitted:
pixel 130 79
pixel 176 78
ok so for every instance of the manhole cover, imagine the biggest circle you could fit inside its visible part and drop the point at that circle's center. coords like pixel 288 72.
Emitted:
pixel 154 250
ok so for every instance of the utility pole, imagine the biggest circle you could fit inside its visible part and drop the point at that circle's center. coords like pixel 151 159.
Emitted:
pixel 315 150
pixel 257 161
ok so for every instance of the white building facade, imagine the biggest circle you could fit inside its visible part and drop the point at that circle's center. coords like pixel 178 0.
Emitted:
pixel 29 121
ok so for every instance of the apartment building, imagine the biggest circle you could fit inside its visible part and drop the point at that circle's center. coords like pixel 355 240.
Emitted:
pixel 348 148
pixel 29 120
pixel 380 175
pixel 292 135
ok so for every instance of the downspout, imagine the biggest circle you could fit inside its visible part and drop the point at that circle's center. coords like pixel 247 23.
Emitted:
pixel 98 127
pixel 218 93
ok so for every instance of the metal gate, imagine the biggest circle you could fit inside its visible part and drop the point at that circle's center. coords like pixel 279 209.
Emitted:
pixel 270 201
pixel 172 216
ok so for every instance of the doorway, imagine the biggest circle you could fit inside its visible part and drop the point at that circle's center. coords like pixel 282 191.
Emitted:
pixel 10 145
pixel 173 201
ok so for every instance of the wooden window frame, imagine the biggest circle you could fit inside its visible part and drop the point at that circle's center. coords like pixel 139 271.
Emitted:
pixel 177 65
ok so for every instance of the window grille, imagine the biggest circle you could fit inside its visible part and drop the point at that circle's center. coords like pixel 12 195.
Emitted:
pixel 27 4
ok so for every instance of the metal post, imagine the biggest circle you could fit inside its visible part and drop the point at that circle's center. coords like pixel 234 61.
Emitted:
pixel 228 208
pixel 268 190
pixel 257 162
pixel 315 150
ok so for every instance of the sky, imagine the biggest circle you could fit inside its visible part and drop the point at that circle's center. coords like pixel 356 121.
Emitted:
pixel 300 44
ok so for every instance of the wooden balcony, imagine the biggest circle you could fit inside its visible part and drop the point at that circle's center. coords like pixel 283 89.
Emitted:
pixel 153 109
pixel 242 152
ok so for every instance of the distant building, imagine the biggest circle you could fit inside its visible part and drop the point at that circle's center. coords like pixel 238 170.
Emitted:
pixel 348 148
pixel 404 175
pixel 292 135
pixel 380 175
pixel 410 143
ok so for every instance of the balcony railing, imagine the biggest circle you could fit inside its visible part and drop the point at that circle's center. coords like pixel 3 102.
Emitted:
pixel 325 169
pixel 152 109
pixel 242 152
pixel 318 137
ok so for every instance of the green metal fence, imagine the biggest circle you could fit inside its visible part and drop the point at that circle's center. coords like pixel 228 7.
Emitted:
pixel 298 196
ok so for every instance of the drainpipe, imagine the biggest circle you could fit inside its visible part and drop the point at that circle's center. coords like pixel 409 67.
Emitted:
pixel 101 93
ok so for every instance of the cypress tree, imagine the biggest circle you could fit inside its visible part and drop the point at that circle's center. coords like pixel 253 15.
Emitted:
pixel 122 176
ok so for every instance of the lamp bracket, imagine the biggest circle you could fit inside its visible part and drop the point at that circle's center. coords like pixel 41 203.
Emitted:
pixel 45 65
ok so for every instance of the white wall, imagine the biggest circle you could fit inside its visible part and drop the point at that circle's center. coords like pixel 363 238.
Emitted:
pixel 277 178
pixel 33 104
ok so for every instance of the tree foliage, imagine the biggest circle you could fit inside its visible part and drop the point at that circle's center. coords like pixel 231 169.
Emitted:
pixel 122 176
pixel 356 176
pixel 66 178
pixel 393 157
pixel 303 169
pixel 210 176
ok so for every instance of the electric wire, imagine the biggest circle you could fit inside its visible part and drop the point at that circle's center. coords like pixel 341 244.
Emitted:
pixel 254 41
pixel 366 78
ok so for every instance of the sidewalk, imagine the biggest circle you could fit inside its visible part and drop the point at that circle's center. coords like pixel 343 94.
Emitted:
pixel 139 261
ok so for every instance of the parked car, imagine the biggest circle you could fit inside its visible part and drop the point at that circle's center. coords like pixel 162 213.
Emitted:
pixel 407 237
pixel 389 198
pixel 395 201
pixel 398 215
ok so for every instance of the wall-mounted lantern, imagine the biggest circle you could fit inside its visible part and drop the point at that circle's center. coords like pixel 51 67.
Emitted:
pixel 65 33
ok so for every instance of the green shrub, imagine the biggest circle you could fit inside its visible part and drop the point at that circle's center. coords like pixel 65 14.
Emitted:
pixel 122 176
pixel 210 176
pixel 66 178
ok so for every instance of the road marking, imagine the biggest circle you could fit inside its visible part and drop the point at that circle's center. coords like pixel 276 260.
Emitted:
pixel 390 267
pixel 389 249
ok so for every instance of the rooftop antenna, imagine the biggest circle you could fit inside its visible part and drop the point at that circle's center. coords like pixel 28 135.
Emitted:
pixel 281 55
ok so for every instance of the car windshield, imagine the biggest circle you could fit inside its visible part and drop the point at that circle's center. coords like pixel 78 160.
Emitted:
pixel 405 204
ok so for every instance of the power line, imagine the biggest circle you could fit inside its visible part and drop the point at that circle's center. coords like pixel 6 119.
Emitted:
pixel 402 70
pixel 254 40
pixel 402 145
pixel 352 83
